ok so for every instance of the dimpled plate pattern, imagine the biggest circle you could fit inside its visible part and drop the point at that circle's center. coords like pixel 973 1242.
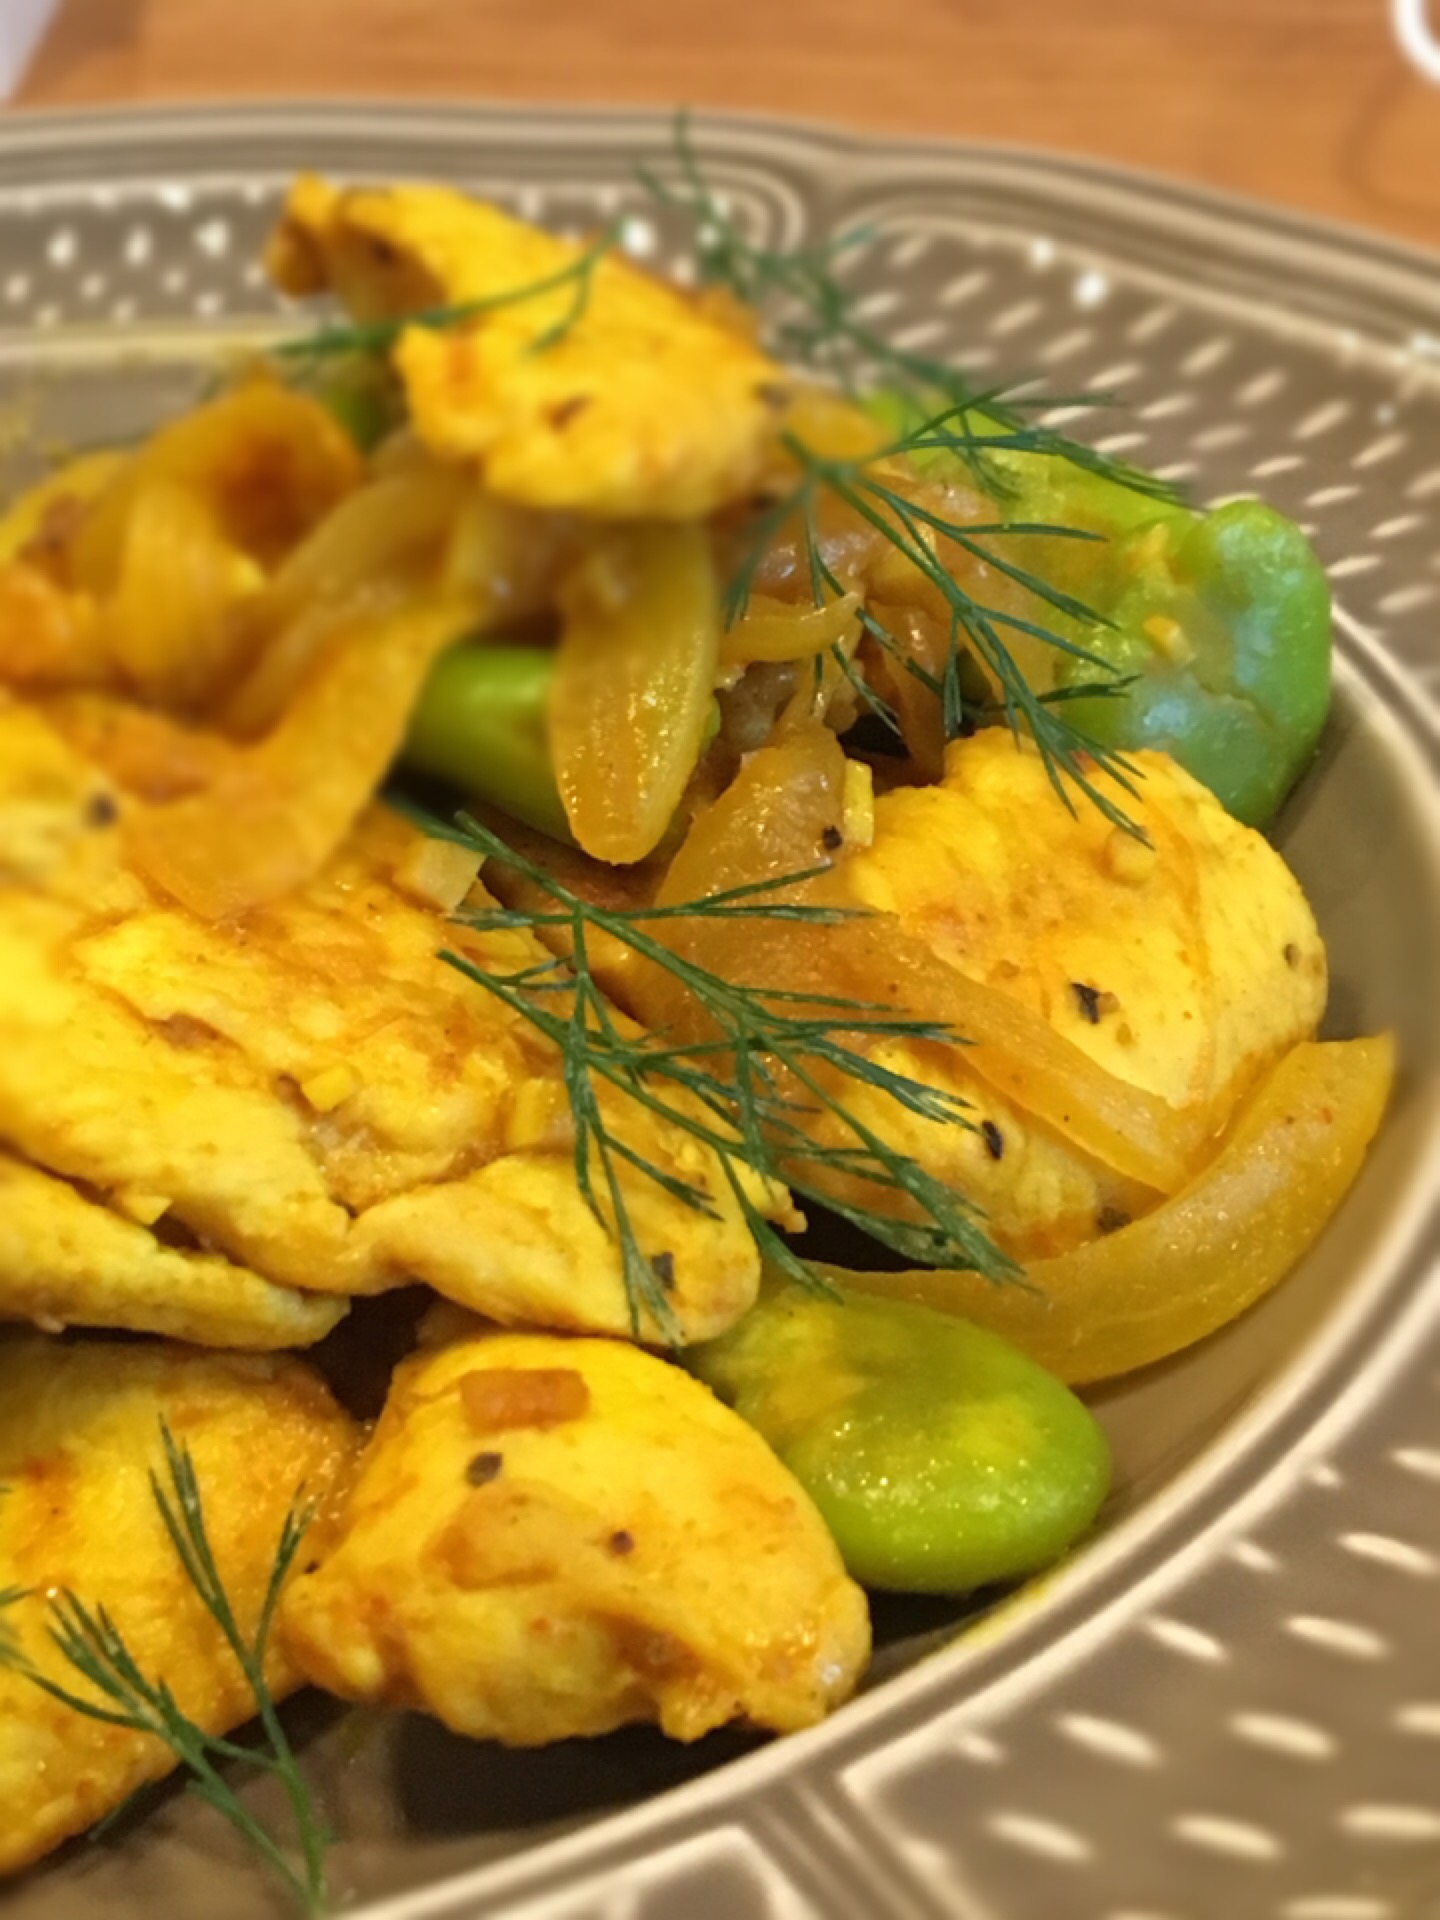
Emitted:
pixel 1230 1703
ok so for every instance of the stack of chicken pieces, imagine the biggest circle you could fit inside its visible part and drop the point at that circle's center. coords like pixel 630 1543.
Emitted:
pixel 240 1090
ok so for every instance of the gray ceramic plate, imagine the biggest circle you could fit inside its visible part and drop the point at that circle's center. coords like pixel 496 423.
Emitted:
pixel 1230 1703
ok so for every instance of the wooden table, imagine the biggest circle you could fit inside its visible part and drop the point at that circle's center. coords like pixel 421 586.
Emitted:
pixel 1309 102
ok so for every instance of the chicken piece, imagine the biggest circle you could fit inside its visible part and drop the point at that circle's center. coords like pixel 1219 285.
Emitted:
pixel 310 1092
pixel 79 1437
pixel 55 809
pixel 555 1537
pixel 1185 968
pixel 609 394
pixel 66 1260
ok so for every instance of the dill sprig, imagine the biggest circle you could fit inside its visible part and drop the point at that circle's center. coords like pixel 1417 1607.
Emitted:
pixel 818 325
pixel 986 433
pixel 380 336
pixel 9 1597
pixel 814 321
pixel 751 1089
pixel 912 526
pixel 122 1695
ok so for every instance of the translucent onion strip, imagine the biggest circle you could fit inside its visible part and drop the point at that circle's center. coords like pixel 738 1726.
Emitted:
pixel 1193 1264
pixel 633 685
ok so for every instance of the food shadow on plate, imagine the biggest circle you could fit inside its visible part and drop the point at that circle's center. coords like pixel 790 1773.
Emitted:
pixel 449 1785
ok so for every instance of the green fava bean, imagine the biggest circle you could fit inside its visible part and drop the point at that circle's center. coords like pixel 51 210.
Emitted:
pixel 480 723
pixel 1222 623
pixel 1219 622
pixel 940 1457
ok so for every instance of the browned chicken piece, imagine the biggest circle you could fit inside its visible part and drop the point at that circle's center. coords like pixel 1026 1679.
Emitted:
pixel 1185 968
pixel 311 1093
pixel 67 1259
pixel 552 1537
pixel 79 1436
pixel 642 402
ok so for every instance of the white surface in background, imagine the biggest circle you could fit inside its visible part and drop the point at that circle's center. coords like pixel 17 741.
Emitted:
pixel 1420 41
pixel 22 22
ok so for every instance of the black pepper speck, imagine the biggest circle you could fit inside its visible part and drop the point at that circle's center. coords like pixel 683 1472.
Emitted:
pixel 484 1468
pixel 994 1139
pixel 565 411
pixel 1089 1001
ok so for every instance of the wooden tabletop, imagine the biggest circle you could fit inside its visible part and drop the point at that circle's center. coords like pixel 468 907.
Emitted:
pixel 1307 102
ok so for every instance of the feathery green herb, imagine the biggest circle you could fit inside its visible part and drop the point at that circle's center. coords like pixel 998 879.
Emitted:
pixel 120 1694
pixel 751 1091
pixel 9 1597
pixel 911 524
pixel 816 324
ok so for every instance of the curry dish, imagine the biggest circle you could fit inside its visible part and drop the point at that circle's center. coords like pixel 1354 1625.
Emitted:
pixel 547 794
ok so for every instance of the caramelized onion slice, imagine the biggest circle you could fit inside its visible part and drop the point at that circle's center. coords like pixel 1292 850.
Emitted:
pixel 1196 1262
pixel 277 810
pixel 633 683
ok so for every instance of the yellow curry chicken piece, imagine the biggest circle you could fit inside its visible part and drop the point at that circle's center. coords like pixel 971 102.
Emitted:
pixel 639 402
pixel 79 1437
pixel 311 1098
pixel 555 1537
pixel 1185 967
pixel 67 1259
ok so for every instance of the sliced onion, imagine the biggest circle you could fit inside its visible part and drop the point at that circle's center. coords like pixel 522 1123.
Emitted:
pixel 788 630
pixel 634 682
pixel 1193 1264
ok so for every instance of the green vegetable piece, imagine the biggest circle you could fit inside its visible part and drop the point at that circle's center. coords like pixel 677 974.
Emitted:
pixel 1219 621
pixel 480 723
pixel 362 394
pixel 1224 622
pixel 940 1457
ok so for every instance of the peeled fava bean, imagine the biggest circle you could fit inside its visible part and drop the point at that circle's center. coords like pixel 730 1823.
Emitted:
pixel 480 723
pixel 1220 624
pixel 552 1537
pixel 1213 628
pixel 939 1456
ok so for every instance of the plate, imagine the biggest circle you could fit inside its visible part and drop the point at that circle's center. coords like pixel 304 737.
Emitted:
pixel 1230 1702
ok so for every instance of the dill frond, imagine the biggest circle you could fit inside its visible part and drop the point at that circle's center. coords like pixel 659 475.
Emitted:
pixel 119 1694
pixel 768 1064
pixel 813 322
pixel 909 524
